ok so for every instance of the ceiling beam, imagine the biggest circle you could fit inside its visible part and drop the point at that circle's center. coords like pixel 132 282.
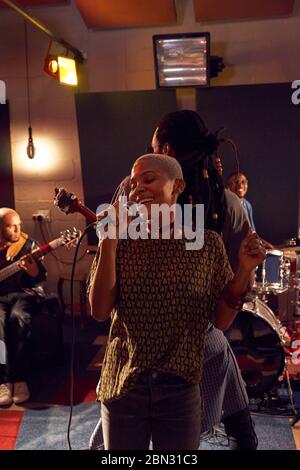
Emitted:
pixel 77 53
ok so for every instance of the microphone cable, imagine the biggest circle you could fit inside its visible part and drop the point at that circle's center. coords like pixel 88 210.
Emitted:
pixel 73 332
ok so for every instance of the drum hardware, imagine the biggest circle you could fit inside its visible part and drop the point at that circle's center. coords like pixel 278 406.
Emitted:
pixel 263 348
pixel 294 282
pixel 261 341
pixel 258 339
pixel 295 249
pixel 292 252
pixel 289 388
pixel 278 400
pixel 255 305
pixel 277 282
pixel 292 242
pixel 272 276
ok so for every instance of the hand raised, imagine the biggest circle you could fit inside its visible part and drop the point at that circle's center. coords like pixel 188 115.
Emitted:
pixel 252 251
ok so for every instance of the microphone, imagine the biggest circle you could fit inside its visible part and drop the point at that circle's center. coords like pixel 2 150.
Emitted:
pixel 126 208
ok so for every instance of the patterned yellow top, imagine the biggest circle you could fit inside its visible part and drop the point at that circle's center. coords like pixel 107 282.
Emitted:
pixel 167 295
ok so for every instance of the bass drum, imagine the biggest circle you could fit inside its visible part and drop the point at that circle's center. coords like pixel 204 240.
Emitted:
pixel 257 341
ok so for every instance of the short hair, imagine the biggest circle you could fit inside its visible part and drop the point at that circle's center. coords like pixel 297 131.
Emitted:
pixel 5 211
pixel 235 174
pixel 169 164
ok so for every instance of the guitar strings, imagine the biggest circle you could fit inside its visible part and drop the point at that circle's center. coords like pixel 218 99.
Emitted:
pixel 69 263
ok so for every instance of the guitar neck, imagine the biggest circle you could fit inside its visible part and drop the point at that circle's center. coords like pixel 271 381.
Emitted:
pixel 87 213
pixel 69 203
pixel 13 268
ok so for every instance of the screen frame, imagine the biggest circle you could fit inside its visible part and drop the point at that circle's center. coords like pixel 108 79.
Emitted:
pixel 157 37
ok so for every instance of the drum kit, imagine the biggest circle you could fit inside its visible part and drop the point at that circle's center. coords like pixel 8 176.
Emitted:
pixel 263 333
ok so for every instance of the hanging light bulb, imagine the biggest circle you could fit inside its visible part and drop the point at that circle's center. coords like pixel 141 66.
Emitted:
pixel 30 145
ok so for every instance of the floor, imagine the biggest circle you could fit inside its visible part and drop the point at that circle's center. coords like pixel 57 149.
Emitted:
pixel 50 385
pixel 50 382
pixel 296 433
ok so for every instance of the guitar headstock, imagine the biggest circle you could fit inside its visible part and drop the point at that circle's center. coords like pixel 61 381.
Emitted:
pixel 66 202
pixel 70 237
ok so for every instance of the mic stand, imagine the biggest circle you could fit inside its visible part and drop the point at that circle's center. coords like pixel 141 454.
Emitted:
pixel 296 418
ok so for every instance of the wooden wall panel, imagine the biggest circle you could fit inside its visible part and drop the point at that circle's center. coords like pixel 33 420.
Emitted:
pixel 6 176
pixel 126 13
pixel 217 10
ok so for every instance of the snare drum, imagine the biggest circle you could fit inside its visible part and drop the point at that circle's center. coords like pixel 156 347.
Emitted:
pixel 273 274
pixel 257 339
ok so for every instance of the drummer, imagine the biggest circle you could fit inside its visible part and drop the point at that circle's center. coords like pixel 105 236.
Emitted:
pixel 238 184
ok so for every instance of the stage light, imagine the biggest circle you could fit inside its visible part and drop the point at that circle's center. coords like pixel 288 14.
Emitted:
pixel 183 60
pixel 59 66
pixel 53 66
pixel 67 71
pixel 62 69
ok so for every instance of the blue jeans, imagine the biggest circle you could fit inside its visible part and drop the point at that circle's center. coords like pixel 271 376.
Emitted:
pixel 161 407
pixel 16 311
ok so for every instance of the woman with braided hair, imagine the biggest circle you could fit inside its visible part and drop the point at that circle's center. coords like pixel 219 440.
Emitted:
pixel 184 136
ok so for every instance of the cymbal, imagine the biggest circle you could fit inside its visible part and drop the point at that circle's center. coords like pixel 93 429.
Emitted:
pixel 289 248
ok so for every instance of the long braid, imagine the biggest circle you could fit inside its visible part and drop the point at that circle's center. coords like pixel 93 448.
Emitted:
pixel 195 148
pixel 205 186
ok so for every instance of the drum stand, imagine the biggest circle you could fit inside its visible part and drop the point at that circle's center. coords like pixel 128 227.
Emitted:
pixel 264 403
pixel 296 411
pixel 290 392
pixel 296 418
pixel 295 306
pixel 287 311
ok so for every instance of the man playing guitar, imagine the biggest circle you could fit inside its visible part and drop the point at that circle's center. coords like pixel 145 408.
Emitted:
pixel 18 297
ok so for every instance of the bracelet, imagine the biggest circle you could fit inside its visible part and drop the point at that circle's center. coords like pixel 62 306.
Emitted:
pixel 233 301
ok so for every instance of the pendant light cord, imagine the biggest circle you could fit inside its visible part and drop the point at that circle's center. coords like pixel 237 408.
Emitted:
pixel 27 75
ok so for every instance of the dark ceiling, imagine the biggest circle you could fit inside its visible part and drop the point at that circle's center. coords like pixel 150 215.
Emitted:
pixel 108 14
